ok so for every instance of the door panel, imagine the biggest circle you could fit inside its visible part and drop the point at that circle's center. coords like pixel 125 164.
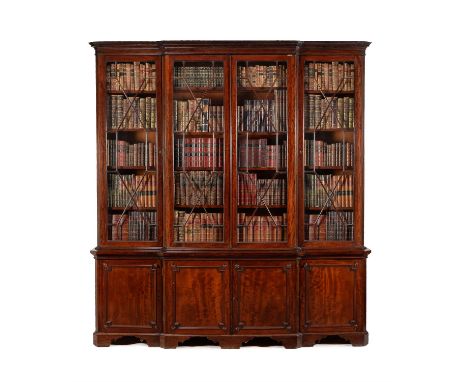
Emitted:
pixel 263 296
pixel 128 295
pixel 197 297
pixel 332 295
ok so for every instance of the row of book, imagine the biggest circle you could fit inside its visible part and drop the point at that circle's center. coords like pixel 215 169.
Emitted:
pixel 198 76
pixel 134 226
pixel 262 75
pixel 253 191
pixel 198 226
pixel 131 76
pixel 329 76
pixel 198 152
pixel 328 190
pixel 258 153
pixel 263 115
pixel 320 153
pixel 131 191
pixel 132 112
pixel 331 226
pixel 198 188
pixel 261 228
pixel 198 115
pixel 127 154
pixel 329 112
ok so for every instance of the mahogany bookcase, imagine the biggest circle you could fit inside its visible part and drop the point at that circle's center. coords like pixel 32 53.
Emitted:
pixel 230 179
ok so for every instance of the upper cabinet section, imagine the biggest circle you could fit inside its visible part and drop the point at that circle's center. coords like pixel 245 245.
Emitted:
pixel 199 140
pixel 230 144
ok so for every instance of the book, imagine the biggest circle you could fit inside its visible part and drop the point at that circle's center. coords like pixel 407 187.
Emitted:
pixel 273 75
pixel 253 228
pixel 199 75
pixel 131 76
pixel 329 76
pixel 198 226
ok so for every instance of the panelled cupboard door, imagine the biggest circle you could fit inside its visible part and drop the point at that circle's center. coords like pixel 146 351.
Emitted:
pixel 263 296
pixel 197 297
pixel 128 293
pixel 332 295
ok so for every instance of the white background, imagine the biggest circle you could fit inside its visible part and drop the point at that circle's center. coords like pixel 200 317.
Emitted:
pixel 416 196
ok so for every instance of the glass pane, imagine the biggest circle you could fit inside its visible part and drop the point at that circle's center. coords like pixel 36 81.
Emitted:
pixel 198 128
pixel 131 151
pixel 328 150
pixel 261 151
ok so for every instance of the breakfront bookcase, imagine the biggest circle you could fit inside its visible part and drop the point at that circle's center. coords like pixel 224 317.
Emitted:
pixel 230 193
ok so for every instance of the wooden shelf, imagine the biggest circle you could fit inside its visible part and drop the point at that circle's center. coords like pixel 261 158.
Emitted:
pixel 129 168
pixel 319 131
pixel 331 93
pixel 271 207
pixel 198 207
pixel 198 92
pixel 114 131
pixel 261 169
pixel 262 134
pixel 209 168
pixel 132 93
pixel 199 134
pixel 326 209
pixel 131 209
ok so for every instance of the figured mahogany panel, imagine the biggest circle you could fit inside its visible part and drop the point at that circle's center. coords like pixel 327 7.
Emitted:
pixel 197 297
pixel 263 296
pixel 128 295
pixel 332 295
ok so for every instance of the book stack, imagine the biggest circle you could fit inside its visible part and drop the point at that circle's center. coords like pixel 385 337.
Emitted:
pixel 131 191
pixel 132 112
pixel 329 76
pixel 328 191
pixel 332 226
pixel 198 152
pixel 198 226
pixel 125 154
pixel 258 192
pixel 134 226
pixel 263 115
pixel 321 154
pixel 198 76
pixel 198 188
pixel 131 76
pixel 198 115
pixel 328 112
pixel 258 153
pixel 261 228
pixel 262 75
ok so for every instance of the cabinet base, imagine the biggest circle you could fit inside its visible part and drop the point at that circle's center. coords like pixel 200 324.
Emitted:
pixel 107 339
pixel 353 338
pixel 290 341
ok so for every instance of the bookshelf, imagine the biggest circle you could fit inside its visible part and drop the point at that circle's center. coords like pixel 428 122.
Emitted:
pixel 230 192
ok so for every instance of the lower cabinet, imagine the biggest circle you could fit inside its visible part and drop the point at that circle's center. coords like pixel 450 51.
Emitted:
pixel 230 301
pixel 332 296
pixel 264 294
pixel 197 297
pixel 128 296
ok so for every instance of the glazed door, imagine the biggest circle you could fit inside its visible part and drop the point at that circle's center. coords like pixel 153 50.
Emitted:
pixel 263 182
pixel 198 147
